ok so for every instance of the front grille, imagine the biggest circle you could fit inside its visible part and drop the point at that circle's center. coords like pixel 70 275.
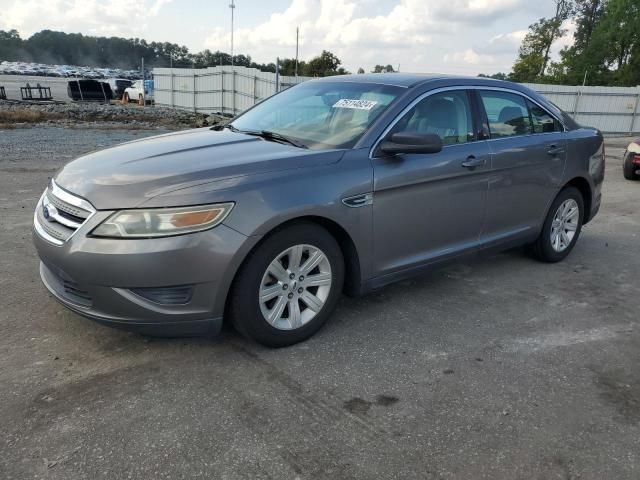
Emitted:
pixel 59 214
pixel 74 213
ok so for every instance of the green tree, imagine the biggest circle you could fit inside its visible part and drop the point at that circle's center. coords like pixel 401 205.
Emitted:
pixel 583 57
pixel 534 55
pixel 496 76
pixel 324 65
pixel 382 69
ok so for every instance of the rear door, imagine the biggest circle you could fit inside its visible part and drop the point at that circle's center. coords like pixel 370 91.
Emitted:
pixel 430 206
pixel 528 156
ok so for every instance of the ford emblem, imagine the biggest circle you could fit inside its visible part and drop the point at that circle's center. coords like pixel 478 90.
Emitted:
pixel 49 211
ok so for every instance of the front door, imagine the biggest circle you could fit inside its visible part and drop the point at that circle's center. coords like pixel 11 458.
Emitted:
pixel 430 206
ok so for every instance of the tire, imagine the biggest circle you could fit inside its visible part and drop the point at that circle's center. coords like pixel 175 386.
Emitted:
pixel 544 248
pixel 628 168
pixel 125 97
pixel 249 313
pixel 140 100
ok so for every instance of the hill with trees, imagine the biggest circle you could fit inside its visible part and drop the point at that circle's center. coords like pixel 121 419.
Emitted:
pixel 62 48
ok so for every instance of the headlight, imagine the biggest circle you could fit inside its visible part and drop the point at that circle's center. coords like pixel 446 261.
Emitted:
pixel 162 222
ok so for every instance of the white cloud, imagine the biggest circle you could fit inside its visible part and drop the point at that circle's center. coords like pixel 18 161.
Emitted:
pixel 505 43
pixel 457 36
pixel 408 33
pixel 108 17
pixel 470 56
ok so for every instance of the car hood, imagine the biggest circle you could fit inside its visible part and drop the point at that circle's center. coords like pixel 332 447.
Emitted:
pixel 127 175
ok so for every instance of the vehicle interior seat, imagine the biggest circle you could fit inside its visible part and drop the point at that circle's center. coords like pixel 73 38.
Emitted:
pixel 514 117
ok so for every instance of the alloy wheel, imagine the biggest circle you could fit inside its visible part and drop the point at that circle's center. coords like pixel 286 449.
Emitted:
pixel 295 287
pixel 565 225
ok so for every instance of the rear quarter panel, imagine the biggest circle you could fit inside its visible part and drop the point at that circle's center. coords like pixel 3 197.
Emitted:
pixel 585 159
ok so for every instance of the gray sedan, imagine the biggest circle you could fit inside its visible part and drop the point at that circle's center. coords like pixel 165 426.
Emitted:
pixel 342 184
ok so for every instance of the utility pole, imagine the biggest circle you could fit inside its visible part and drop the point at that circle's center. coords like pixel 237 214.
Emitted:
pixel 232 6
pixel 297 43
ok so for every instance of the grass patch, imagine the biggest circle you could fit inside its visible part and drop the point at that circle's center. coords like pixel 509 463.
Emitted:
pixel 8 117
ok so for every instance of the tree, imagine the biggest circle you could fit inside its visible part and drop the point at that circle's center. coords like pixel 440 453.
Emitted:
pixel 582 57
pixel 324 65
pixel 10 45
pixel 53 47
pixel 360 71
pixel 382 69
pixel 606 50
pixel 533 57
pixel 496 76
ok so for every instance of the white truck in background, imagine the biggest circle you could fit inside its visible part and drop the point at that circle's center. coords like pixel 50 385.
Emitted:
pixel 137 93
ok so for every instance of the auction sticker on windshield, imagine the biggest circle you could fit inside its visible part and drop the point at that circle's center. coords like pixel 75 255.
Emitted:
pixel 353 103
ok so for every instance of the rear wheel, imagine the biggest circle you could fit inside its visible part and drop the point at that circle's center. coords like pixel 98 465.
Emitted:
pixel 562 226
pixel 288 287
pixel 125 97
pixel 629 168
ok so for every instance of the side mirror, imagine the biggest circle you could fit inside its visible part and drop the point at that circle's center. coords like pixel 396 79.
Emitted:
pixel 410 142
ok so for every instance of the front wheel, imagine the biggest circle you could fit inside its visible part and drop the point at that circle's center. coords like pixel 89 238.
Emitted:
pixel 288 287
pixel 562 226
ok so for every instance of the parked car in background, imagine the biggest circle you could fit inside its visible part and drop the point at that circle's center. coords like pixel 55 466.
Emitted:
pixel 137 93
pixel 118 86
pixel 339 184
pixel 631 161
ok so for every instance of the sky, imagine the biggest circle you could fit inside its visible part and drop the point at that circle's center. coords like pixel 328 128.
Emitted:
pixel 445 36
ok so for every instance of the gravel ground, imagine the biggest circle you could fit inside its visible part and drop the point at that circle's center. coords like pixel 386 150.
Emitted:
pixel 96 115
pixel 503 368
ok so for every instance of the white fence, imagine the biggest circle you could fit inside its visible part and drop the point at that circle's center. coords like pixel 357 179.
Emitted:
pixel 220 89
pixel 614 110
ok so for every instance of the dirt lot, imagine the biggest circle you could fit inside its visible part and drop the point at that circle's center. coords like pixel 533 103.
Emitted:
pixel 503 368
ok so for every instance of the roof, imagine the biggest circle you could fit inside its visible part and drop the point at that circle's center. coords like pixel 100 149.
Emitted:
pixel 398 79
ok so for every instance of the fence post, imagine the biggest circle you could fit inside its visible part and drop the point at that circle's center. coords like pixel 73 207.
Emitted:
pixel 194 91
pixel 233 91
pixel 575 105
pixel 173 102
pixel 255 88
pixel 635 110
pixel 222 90
pixel 277 75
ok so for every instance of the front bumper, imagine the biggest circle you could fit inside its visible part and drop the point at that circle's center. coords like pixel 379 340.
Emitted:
pixel 100 278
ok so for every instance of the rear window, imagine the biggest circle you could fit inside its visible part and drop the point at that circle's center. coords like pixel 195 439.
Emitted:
pixel 542 121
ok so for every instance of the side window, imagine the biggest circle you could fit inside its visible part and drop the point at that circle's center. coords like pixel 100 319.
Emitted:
pixel 507 113
pixel 446 114
pixel 542 121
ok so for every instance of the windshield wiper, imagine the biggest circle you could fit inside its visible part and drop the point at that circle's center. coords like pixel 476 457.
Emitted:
pixel 278 137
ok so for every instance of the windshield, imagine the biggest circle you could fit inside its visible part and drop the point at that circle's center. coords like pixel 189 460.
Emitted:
pixel 320 115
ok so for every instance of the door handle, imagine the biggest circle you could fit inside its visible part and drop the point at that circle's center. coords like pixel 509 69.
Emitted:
pixel 554 150
pixel 472 162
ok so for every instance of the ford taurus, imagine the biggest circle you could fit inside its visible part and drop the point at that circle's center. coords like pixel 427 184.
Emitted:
pixel 341 184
